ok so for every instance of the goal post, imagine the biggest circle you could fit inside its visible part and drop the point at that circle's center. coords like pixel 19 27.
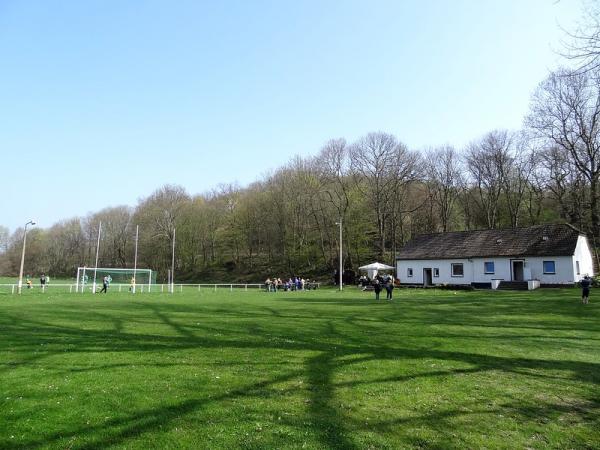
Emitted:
pixel 131 277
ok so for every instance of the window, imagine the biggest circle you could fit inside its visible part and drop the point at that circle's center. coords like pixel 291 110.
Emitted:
pixel 549 267
pixel 577 267
pixel 488 267
pixel 409 272
pixel 436 272
pixel 457 270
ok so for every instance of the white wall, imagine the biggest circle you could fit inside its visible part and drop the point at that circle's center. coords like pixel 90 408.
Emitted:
pixel 563 267
pixel 443 264
pixel 474 269
pixel 583 254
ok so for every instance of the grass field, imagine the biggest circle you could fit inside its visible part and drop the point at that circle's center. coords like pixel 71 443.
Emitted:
pixel 321 369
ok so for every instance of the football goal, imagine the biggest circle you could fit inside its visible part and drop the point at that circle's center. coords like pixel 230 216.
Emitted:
pixel 131 277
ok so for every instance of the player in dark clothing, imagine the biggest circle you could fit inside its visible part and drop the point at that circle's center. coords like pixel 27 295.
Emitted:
pixel 43 281
pixel 586 284
pixel 389 288
pixel 377 288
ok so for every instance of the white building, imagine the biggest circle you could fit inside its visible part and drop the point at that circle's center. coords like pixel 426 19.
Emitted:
pixel 551 254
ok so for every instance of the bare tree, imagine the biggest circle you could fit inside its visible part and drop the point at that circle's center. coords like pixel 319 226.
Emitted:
pixel 583 44
pixel 536 193
pixel 484 160
pixel 158 216
pixel 116 235
pixel 332 169
pixel 565 111
pixel 516 168
pixel 443 176
pixel 382 167
pixel 565 184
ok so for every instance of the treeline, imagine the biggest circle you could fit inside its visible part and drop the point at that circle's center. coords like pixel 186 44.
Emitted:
pixel 382 191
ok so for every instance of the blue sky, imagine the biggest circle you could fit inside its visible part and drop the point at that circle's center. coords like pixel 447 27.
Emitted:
pixel 104 101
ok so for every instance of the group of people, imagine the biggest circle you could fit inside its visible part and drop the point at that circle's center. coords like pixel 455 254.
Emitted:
pixel 378 283
pixel 292 284
pixel 44 281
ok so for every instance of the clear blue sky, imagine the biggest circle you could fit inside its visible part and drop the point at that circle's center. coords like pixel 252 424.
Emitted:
pixel 104 101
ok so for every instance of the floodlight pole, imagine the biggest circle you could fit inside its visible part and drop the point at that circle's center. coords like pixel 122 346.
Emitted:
pixel 341 263
pixel 173 265
pixel 97 251
pixel 31 222
pixel 137 229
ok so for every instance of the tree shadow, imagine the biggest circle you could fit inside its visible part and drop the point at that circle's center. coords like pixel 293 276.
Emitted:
pixel 329 350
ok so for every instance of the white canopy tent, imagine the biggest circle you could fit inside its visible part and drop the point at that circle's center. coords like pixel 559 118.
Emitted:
pixel 374 268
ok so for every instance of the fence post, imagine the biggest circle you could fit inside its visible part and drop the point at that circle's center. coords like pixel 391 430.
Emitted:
pixel 181 288
pixel 215 288
pixel 245 287
pixel 198 288
pixel 13 289
pixel 162 288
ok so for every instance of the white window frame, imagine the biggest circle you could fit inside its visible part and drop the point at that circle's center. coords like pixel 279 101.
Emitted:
pixel 577 268
pixel 452 265
pixel 409 272
pixel 436 272
pixel 544 267
pixel 485 271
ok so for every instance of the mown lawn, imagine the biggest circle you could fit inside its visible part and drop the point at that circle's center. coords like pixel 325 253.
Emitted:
pixel 432 369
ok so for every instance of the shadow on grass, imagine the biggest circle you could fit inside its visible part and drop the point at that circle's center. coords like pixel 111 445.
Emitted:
pixel 333 428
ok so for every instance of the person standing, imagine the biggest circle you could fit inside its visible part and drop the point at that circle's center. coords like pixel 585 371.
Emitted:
pixel 586 285
pixel 43 281
pixel 104 285
pixel 389 287
pixel 376 288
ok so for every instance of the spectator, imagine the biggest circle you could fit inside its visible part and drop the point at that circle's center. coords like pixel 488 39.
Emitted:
pixel 389 287
pixel 377 287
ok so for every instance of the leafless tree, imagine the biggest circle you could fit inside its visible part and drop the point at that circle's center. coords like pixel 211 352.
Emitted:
pixel 516 168
pixel 583 44
pixel 484 161
pixel 382 167
pixel 443 176
pixel 158 216
pixel 565 111
pixel 565 184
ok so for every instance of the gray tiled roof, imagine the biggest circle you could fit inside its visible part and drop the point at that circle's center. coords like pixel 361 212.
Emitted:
pixel 539 240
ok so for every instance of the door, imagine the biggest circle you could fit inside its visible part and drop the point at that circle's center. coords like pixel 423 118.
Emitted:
pixel 427 280
pixel 517 270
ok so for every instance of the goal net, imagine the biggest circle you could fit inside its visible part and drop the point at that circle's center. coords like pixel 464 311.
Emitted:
pixel 130 277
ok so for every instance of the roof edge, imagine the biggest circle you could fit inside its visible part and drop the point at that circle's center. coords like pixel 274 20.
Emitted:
pixel 481 257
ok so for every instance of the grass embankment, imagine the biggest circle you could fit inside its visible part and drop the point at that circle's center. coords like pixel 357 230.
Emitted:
pixel 320 369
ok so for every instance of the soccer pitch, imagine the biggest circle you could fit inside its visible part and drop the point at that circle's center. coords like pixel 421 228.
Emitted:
pixel 318 369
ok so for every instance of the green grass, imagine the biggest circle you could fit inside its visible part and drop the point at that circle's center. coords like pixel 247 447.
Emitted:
pixel 432 369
